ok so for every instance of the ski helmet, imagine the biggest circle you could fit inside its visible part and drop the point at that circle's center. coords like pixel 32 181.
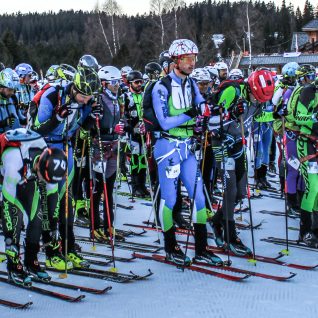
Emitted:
pixel 261 85
pixel 133 76
pixel 289 69
pixel 109 73
pixel 145 77
pixel 201 75
pixel 65 72
pixel 164 59
pixel 236 74
pixel 34 76
pixel 182 47
pixel 88 60
pixel 221 66
pixel 125 70
pixel 52 165
pixel 23 69
pixel 9 78
pixel 153 70
pixel 86 81
pixel 50 73
pixel 305 70
pixel 214 74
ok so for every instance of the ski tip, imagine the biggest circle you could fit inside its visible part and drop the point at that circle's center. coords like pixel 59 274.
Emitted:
pixel 113 269
pixel 63 275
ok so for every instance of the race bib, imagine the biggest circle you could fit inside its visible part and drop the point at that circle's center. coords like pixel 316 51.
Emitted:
pixel 97 167
pixel 294 162
pixel 173 172
pixel 312 167
pixel 229 164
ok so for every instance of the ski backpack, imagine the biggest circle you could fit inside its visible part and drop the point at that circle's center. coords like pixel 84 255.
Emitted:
pixel 149 116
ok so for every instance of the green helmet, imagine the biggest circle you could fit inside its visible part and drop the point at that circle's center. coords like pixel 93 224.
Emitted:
pixel 9 78
pixel 305 69
pixel 86 81
pixel 65 72
pixel 50 73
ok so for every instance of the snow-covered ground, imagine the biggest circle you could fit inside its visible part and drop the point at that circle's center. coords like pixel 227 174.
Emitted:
pixel 173 293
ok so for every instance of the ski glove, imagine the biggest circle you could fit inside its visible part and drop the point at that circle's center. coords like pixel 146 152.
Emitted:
pixel 97 110
pixel 140 128
pixel 63 111
pixel 119 128
pixel 8 122
pixel 237 110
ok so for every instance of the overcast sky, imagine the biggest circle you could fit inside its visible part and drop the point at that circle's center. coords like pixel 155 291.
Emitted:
pixel 130 7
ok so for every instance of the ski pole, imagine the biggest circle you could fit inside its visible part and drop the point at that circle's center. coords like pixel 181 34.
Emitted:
pixel 198 171
pixel 224 185
pixel 64 275
pixel 106 202
pixel 248 189
pixel 91 189
pixel 285 251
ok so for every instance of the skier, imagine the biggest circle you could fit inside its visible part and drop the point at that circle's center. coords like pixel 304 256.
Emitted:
pixel 62 110
pixel 136 129
pixel 110 128
pixel 26 161
pixel 306 117
pixel 173 151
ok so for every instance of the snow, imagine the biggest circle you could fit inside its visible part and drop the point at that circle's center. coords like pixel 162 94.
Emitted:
pixel 173 293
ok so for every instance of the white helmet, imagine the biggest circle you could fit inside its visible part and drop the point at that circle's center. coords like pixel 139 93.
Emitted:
pixel 221 66
pixel 145 77
pixel 109 73
pixel 125 70
pixel 236 74
pixel 182 47
pixel 214 74
pixel 201 75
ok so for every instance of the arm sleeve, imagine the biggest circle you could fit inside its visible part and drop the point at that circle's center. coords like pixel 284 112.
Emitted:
pixel 303 116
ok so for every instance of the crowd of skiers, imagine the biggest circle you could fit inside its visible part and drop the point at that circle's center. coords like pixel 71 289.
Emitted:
pixel 66 138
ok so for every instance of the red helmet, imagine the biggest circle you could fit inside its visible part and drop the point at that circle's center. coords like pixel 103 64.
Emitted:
pixel 261 85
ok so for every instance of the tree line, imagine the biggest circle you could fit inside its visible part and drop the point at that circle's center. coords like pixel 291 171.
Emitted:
pixel 43 39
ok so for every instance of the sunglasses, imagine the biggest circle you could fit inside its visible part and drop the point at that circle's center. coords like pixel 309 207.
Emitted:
pixel 138 82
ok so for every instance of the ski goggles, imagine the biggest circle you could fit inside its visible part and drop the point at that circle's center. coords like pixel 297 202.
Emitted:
pixel 113 82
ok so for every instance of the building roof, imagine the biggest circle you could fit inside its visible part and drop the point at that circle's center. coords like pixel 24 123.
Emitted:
pixel 311 25
pixel 302 38
pixel 279 60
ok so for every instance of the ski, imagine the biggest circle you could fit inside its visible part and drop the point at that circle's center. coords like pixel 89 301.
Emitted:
pixel 260 258
pixel 125 207
pixel 278 213
pixel 69 286
pixel 12 304
pixel 107 275
pixel 293 243
pixel 127 194
pixel 107 257
pixel 45 292
pixel 161 259
pixel 138 247
pixel 248 272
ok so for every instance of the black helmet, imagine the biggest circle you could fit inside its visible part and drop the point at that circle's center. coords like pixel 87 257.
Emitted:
pixel 88 61
pixel 134 75
pixel 305 69
pixel 2 67
pixel 86 81
pixel 165 59
pixel 153 70
pixel 52 165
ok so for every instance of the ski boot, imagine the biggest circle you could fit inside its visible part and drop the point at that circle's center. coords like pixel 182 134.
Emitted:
pixel 32 264
pixel 236 245
pixel 16 272
pixel 209 258
pixel 115 234
pixel 178 257
pixel 77 260
pixel 310 239
pixel 272 168
pixel 242 206
pixel 55 259
pixel 100 236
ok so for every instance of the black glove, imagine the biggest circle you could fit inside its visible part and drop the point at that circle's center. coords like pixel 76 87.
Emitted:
pixel 237 110
pixel 280 111
pixel 192 112
pixel 63 111
pixel 8 122
pixel 97 110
